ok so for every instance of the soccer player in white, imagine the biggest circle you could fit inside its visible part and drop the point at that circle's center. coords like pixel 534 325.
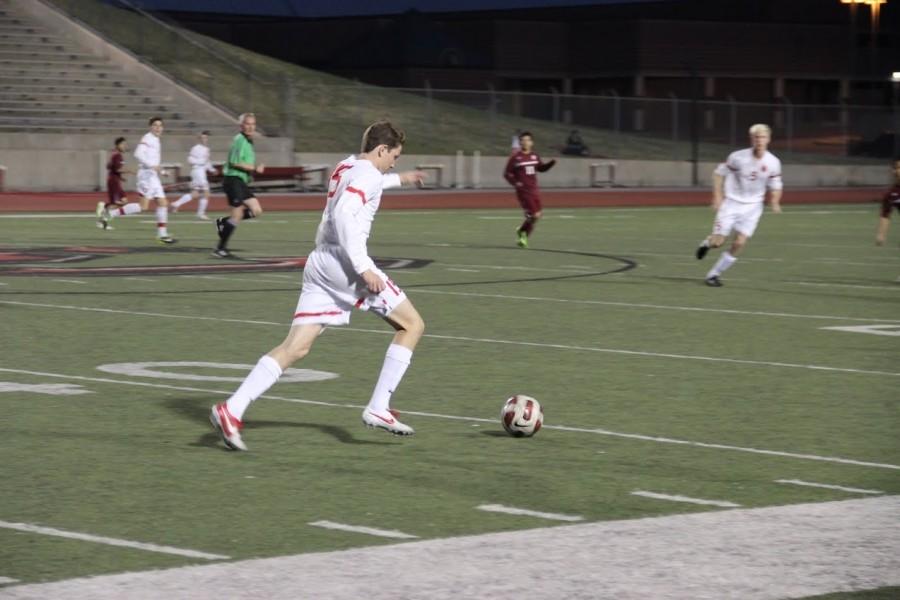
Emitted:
pixel 339 276
pixel 198 158
pixel 740 186
pixel 149 156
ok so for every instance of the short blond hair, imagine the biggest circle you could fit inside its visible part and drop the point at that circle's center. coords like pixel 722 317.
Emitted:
pixel 760 128
pixel 245 116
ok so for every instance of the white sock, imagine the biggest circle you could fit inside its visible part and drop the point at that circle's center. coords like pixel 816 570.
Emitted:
pixel 201 207
pixel 182 201
pixel 396 360
pixel 725 261
pixel 131 208
pixel 162 219
pixel 705 243
pixel 262 377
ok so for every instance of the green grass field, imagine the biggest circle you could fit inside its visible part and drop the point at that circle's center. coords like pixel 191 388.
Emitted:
pixel 605 320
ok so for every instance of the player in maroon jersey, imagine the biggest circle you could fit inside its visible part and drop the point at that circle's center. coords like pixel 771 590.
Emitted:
pixel 115 194
pixel 521 172
pixel 891 200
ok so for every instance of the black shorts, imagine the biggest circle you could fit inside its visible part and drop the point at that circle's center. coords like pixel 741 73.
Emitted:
pixel 236 190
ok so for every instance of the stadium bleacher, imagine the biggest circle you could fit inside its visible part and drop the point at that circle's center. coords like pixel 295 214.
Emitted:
pixel 51 85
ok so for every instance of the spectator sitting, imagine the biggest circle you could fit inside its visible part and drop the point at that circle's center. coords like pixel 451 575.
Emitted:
pixel 575 145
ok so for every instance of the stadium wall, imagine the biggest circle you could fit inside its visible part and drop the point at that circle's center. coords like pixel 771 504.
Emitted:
pixel 43 162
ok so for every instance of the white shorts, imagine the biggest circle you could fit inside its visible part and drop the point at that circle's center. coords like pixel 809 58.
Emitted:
pixel 332 289
pixel 198 179
pixel 740 216
pixel 149 185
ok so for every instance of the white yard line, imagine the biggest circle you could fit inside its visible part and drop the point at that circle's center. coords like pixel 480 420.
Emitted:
pixel 4 580
pixel 895 288
pixel 595 431
pixel 685 499
pixel 388 533
pixel 464 270
pixel 86 537
pixel 726 311
pixel 691 357
pixel 753 554
pixel 69 281
pixel 509 510
pixel 828 486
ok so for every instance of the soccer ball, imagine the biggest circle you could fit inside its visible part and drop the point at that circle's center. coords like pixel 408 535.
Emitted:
pixel 522 416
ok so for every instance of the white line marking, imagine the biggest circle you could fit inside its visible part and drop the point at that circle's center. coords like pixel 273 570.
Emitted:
pixel 388 533
pixel 846 285
pixel 509 510
pixel 769 553
pixel 51 389
pixel 726 311
pixel 687 499
pixel 828 486
pixel 606 432
pixel 69 281
pixel 7 580
pixel 74 535
pixel 465 270
pixel 141 279
pixel 892 330
pixel 740 361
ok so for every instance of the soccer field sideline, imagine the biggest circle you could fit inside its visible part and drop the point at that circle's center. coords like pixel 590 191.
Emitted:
pixel 752 554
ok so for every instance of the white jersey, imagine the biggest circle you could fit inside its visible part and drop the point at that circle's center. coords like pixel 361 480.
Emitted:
pixel 198 158
pixel 747 178
pixel 148 151
pixel 354 195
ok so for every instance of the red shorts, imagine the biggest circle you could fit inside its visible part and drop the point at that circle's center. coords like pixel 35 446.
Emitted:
pixel 529 201
pixel 114 190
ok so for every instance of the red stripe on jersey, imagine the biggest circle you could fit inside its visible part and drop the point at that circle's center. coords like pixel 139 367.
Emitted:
pixel 318 314
pixel 353 190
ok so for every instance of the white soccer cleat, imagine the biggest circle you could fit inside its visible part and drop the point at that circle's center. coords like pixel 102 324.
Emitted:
pixel 227 426
pixel 203 217
pixel 386 421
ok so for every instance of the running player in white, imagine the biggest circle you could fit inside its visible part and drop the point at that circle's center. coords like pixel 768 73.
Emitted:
pixel 740 185
pixel 198 158
pixel 149 156
pixel 339 276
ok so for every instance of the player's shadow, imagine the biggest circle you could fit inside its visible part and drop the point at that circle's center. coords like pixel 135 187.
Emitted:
pixel 197 411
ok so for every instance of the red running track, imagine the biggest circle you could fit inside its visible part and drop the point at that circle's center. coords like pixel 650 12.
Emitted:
pixel 87 201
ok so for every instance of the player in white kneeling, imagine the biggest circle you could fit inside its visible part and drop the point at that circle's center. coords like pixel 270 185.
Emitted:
pixel 339 276
pixel 740 185
pixel 198 158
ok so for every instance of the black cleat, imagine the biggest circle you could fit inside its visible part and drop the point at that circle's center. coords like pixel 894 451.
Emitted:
pixel 220 226
pixel 714 281
pixel 701 252
pixel 222 253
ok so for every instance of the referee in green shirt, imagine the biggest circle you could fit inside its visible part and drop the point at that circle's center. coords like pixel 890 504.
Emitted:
pixel 238 169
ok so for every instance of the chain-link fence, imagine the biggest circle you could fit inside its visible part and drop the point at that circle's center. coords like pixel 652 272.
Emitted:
pixel 324 113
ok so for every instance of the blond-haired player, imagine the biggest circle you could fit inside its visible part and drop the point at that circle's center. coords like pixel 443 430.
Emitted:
pixel 740 187
pixel 198 158
pixel 339 276
pixel 148 153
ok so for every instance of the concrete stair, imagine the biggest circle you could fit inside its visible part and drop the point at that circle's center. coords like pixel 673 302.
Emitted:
pixel 49 84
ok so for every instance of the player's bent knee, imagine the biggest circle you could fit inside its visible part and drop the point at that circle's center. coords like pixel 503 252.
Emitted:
pixel 162 202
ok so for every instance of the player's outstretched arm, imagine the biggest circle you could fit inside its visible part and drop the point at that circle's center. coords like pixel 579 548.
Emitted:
pixel 412 178
pixel 546 166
